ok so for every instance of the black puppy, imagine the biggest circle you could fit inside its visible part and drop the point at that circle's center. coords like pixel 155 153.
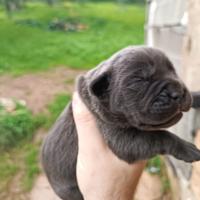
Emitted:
pixel 134 91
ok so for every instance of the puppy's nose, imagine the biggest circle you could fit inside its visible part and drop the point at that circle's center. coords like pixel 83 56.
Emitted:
pixel 176 95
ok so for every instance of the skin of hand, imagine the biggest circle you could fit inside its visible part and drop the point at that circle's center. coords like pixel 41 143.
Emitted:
pixel 101 174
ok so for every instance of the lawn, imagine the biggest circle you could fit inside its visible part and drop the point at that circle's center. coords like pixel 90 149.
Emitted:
pixel 20 159
pixel 28 48
pixel 27 45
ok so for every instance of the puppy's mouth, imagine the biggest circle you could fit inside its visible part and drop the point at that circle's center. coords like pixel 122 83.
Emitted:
pixel 169 122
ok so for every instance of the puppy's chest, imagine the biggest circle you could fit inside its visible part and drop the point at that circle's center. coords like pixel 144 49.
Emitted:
pixel 110 132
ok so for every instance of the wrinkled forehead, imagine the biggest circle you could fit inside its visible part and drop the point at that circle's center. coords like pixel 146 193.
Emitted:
pixel 141 61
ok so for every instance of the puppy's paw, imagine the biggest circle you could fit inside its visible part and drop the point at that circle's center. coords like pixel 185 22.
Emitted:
pixel 187 152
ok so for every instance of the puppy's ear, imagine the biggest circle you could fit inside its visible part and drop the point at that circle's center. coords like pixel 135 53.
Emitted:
pixel 99 86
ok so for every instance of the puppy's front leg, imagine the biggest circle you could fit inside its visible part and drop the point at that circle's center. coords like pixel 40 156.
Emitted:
pixel 134 145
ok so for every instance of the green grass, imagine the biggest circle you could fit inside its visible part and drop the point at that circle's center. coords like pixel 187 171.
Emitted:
pixel 166 187
pixel 157 166
pixel 31 166
pixel 154 165
pixel 27 48
pixel 70 80
pixel 23 156
pixel 17 126
pixel 21 160
pixel 7 169
pixel 17 154
pixel 55 108
pixel 31 150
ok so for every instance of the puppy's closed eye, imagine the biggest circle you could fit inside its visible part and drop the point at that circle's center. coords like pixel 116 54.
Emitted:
pixel 141 79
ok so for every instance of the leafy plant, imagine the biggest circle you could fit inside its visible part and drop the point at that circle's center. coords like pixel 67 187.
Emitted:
pixel 17 126
pixel 66 25
pixel 29 22
pixel 154 165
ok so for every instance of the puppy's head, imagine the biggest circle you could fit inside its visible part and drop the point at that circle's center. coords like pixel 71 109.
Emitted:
pixel 139 86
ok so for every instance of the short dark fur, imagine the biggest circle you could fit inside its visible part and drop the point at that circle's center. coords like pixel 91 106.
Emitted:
pixel 135 90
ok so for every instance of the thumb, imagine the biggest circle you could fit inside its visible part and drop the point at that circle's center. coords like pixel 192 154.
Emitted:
pixel 89 136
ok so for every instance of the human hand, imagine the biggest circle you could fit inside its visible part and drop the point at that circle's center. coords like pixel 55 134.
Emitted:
pixel 100 173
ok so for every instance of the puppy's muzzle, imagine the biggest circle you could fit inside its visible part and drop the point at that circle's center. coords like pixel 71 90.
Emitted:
pixel 172 98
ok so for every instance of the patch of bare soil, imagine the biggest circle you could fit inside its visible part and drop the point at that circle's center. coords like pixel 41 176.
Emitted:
pixel 15 190
pixel 42 190
pixel 39 89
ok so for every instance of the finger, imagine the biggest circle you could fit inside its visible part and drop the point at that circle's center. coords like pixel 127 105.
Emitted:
pixel 88 134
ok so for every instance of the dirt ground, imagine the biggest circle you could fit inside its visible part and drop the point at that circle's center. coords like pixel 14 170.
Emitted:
pixel 38 90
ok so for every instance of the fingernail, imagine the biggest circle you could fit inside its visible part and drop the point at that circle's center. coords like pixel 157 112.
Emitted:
pixel 76 98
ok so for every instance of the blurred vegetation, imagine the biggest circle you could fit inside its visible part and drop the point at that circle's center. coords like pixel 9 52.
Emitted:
pixel 154 165
pixel 61 101
pixel 18 129
pixel 16 126
pixel 7 169
pixel 39 35
pixel 31 165
pixel 21 161
pixel 21 124
pixel 28 44
pixel 13 5
pixel 55 109
pixel 157 166
pixel 70 80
